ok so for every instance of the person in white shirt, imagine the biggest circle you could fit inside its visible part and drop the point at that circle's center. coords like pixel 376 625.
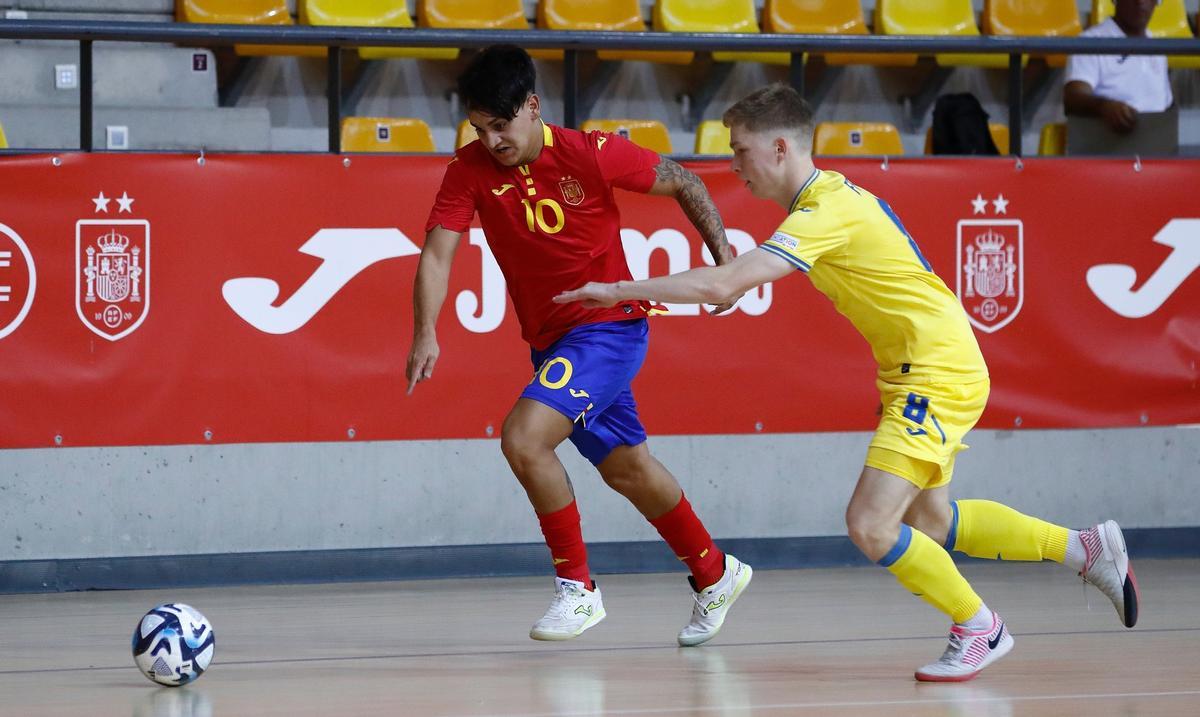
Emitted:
pixel 1117 88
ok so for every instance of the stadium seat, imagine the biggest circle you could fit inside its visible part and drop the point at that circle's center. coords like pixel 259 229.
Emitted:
pixel 712 137
pixel 934 17
pixel 610 15
pixel 828 17
pixel 1168 21
pixel 1047 18
pixel 466 134
pixel 474 15
pixel 999 136
pixel 370 13
pixel 245 12
pixel 650 134
pixel 386 134
pixel 1053 140
pixel 998 131
pixel 857 138
pixel 714 16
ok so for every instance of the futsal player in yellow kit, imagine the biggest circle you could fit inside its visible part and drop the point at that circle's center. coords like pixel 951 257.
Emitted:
pixel 932 381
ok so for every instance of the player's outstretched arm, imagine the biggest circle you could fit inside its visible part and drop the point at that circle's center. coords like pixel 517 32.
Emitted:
pixel 673 180
pixel 429 293
pixel 707 284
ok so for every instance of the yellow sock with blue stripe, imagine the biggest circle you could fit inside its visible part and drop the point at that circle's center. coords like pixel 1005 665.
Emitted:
pixel 985 529
pixel 926 569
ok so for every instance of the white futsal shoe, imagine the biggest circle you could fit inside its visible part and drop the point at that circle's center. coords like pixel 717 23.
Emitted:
pixel 968 653
pixel 573 610
pixel 713 602
pixel 1107 567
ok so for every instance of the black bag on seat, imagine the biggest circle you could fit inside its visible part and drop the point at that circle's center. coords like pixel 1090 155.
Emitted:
pixel 960 126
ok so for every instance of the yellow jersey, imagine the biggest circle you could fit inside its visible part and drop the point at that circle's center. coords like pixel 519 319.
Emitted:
pixel 855 251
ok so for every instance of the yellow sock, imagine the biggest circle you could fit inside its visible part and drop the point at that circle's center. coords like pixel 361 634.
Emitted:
pixel 926 569
pixel 985 529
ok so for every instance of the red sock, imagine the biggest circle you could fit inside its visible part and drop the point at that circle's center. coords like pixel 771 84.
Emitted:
pixel 564 537
pixel 692 544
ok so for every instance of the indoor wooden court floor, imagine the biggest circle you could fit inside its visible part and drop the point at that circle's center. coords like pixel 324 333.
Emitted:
pixel 799 642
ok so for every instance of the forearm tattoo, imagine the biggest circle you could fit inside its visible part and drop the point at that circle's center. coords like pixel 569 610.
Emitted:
pixel 698 205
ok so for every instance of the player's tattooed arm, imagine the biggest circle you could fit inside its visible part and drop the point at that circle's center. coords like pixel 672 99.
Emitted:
pixel 674 180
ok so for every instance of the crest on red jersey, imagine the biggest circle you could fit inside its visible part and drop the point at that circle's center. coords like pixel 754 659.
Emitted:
pixel 572 191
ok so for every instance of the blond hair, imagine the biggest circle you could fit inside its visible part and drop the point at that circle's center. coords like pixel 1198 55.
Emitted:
pixel 774 107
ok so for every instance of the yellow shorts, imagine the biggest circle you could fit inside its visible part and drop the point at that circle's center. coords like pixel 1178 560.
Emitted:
pixel 922 427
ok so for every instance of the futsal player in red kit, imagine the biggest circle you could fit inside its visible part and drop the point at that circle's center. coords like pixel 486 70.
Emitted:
pixel 545 198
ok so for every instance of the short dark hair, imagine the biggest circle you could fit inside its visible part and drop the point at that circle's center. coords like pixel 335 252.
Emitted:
pixel 497 81
pixel 776 106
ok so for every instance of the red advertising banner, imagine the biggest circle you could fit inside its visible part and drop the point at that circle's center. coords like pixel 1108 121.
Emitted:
pixel 165 299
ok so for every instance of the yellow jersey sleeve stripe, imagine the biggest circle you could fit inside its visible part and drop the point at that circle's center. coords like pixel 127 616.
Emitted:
pixel 785 254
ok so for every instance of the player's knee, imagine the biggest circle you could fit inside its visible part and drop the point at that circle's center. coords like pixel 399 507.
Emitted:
pixel 858 529
pixel 933 521
pixel 519 446
pixel 624 481
pixel 869 532
pixel 626 468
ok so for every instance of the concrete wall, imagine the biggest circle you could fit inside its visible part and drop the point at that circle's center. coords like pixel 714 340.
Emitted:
pixel 109 502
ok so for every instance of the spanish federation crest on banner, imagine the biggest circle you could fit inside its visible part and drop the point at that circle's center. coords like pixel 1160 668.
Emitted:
pixel 112 275
pixel 991 277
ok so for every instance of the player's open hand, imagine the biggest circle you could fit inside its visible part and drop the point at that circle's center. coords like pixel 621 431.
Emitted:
pixel 421 358
pixel 724 306
pixel 592 295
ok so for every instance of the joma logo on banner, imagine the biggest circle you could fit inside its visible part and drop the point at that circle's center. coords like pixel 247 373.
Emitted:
pixel 348 252
pixel 1113 283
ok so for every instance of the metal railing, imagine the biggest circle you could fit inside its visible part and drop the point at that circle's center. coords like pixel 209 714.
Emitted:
pixel 572 43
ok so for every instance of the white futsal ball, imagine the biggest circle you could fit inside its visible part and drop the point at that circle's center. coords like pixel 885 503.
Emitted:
pixel 173 644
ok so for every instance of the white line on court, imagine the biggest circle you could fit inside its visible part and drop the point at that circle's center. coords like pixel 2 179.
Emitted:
pixel 961 700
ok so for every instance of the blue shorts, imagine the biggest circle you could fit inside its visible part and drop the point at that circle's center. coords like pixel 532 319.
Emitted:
pixel 586 376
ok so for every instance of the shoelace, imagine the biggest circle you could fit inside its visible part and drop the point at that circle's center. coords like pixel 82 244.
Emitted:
pixel 953 649
pixel 562 598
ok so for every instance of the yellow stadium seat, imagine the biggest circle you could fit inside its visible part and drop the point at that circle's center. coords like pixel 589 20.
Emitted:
pixel 1051 18
pixel 1046 18
pixel 828 17
pixel 610 15
pixel 386 134
pixel 857 138
pixel 999 136
pixel 245 12
pixel 370 13
pixel 998 131
pixel 466 134
pixel 712 137
pixel 1169 20
pixel 934 17
pixel 714 16
pixel 650 134
pixel 1053 140
pixel 474 15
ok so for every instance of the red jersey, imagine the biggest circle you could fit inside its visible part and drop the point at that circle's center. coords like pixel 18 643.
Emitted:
pixel 552 224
